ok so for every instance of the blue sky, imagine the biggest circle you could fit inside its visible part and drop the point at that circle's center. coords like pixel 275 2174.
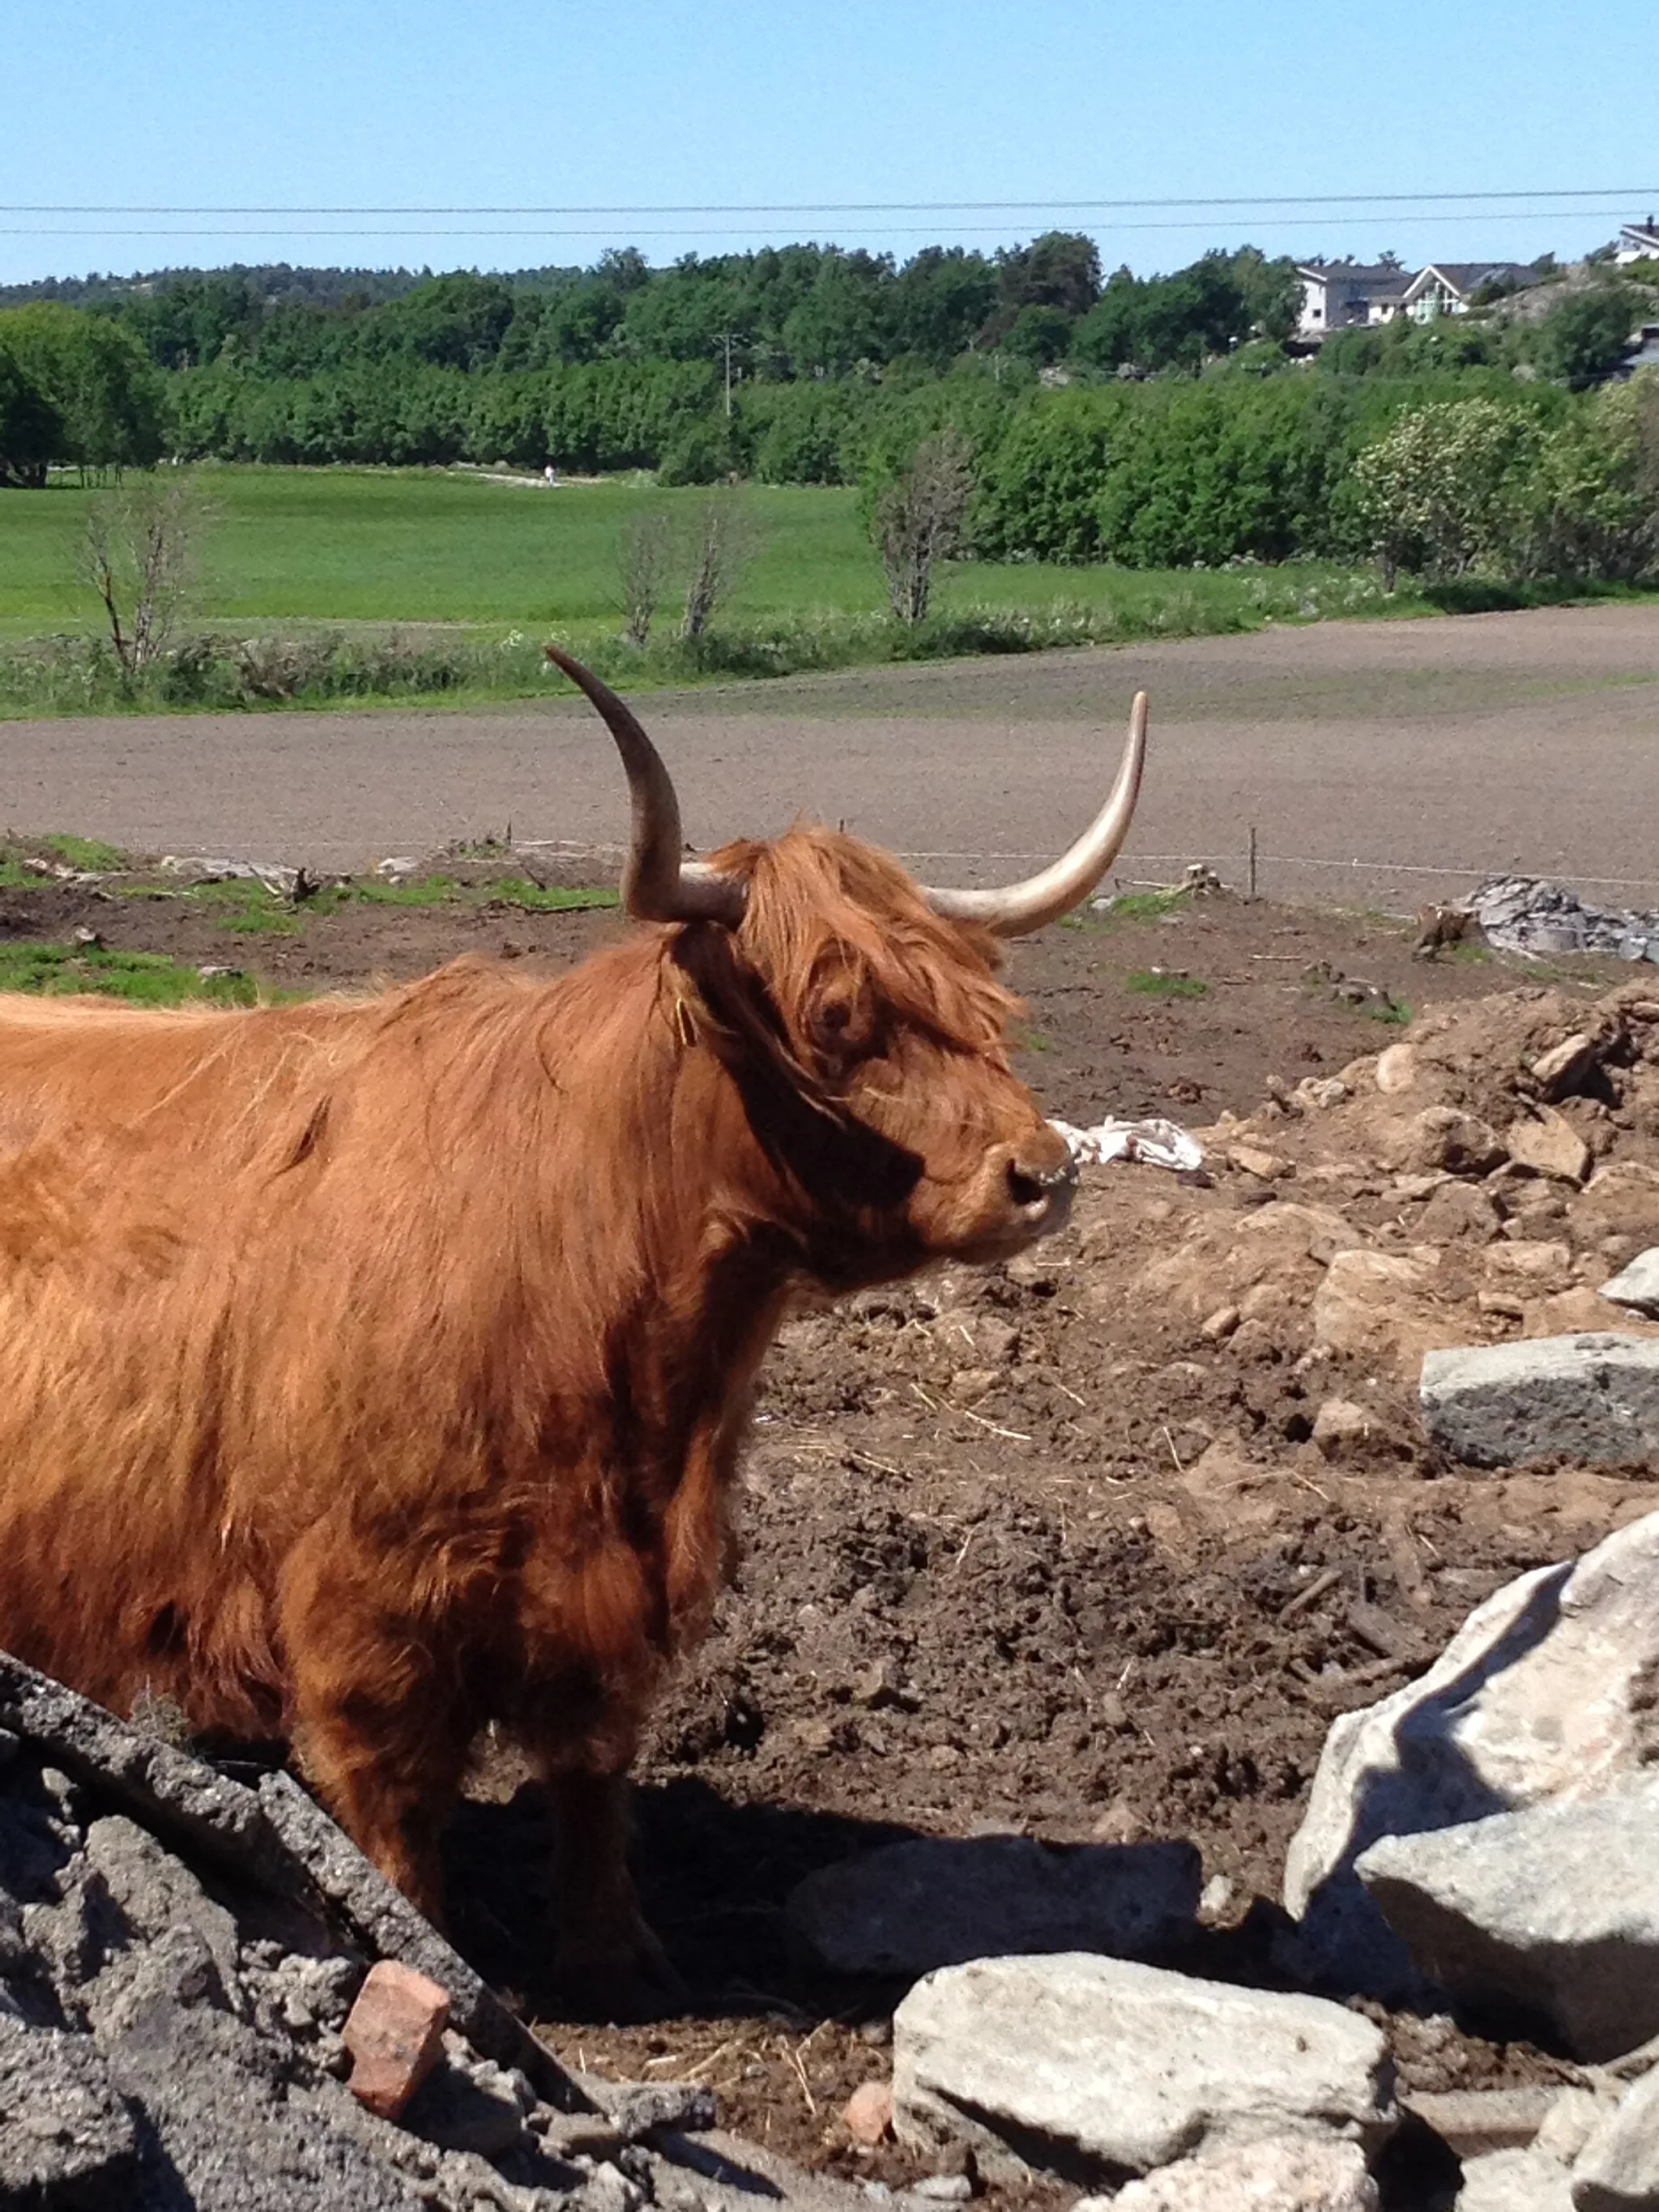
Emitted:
pixel 629 103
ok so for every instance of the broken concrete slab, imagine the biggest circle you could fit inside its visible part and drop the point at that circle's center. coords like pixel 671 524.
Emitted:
pixel 1282 2173
pixel 1537 1699
pixel 1593 1397
pixel 1636 1286
pixel 1098 2069
pixel 1618 2169
pixel 1473 2121
pixel 1545 1920
pixel 909 1907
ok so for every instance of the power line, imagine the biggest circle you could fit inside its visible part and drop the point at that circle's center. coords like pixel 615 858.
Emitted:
pixel 928 231
pixel 1313 200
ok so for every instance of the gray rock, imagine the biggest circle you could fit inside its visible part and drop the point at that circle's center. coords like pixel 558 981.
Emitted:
pixel 1593 1397
pixel 1098 2069
pixel 1515 2181
pixel 640 2108
pixel 1282 2173
pixel 65 2135
pixel 1544 1919
pixel 1638 1285
pixel 1618 2169
pixel 1539 1698
pixel 910 1907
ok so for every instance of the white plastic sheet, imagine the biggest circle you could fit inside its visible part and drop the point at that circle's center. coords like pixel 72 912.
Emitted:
pixel 1156 1143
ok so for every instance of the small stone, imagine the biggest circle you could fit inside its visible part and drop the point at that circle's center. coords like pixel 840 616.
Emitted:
pixel 1340 1426
pixel 1253 1160
pixel 1284 2173
pixel 867 2116
pixel 394 2032
pixel 1514 2181
pixel 944 2189
pixel 1559 1071
pixel 1215 1897
pixel 1322 1091
pixel 1221 1323
pixel 1618 2169
pixel 1500 1306
pixel 1549 1146
pixel 1638 1285
pixel 1397 1069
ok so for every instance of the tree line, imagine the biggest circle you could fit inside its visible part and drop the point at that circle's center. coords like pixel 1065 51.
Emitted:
pixel 1152 422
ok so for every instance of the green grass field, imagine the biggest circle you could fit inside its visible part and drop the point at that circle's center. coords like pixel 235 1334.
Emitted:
pixel 429 546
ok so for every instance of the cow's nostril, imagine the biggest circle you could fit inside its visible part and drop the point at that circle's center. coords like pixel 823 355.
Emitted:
pixel 1030 1186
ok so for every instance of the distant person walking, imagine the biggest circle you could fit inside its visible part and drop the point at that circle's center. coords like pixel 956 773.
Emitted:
pixel 552 475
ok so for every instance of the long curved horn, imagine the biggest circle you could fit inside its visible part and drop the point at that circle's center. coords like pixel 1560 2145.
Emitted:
pixel 657 885
pixel 1042 899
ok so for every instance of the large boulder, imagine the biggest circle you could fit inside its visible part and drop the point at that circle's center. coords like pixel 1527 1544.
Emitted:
pixel 1545 1920
pixel 1098 2069
pixel 1594 1397
pixel 1541 1697
pixel 1281 2174
pixel 936 1901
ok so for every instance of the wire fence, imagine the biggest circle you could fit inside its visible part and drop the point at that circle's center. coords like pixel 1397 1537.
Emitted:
pixel 1252 863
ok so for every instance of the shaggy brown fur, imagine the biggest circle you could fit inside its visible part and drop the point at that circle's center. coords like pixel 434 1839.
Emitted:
pixel 371 1371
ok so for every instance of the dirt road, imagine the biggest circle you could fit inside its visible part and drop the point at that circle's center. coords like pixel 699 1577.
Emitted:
pixel 1485 743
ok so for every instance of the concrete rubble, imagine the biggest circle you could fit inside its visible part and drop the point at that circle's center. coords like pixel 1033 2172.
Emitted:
pixel 909 1907
pixel 1592 1397
pixel 1529 913
pixel 1541 1697
pixel 182 1961
pixel 1546 1919
pixel 1100 2069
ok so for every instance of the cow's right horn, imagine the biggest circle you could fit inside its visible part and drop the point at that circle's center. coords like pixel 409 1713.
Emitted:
pixel 657 884
pixel 1042 899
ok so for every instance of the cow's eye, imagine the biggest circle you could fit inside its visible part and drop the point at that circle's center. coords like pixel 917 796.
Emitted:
pixel 835 1030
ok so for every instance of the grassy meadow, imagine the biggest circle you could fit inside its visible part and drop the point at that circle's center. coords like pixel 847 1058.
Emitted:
pixel 471 572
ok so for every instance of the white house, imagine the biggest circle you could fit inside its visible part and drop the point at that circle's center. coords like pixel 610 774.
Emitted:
pixel 1638 241
pixel 1343 295
pixel 1448 287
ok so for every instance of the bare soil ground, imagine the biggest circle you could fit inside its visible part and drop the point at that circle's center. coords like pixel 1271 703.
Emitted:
pixel 1050 1548
pixel 1366 754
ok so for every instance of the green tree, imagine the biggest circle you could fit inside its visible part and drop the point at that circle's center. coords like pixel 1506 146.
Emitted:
pixel 31 432
pixel 1588 506
pixel 1580 340
pixel 106 397
pixel 1436 490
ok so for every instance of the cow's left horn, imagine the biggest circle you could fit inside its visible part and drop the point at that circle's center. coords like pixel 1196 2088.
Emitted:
pixel 1044 897
pixel 657 884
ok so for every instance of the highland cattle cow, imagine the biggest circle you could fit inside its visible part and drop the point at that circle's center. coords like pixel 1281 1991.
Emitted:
pixel 374 1370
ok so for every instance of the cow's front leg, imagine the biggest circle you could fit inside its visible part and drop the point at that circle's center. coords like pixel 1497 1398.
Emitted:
pixel 607 1959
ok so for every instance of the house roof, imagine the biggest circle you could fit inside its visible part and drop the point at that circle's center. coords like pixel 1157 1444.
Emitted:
pixel 1641 234
pixel 1376 277
pixel 1466 277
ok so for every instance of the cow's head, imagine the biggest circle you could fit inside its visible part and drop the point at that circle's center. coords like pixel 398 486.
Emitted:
pixel 859 1015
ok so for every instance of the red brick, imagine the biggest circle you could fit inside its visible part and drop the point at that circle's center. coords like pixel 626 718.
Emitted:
pixel 395 2035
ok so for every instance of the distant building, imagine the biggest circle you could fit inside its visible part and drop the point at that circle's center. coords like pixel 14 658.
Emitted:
pixel 1346 295
pixel 1638 241
pixel 1449 287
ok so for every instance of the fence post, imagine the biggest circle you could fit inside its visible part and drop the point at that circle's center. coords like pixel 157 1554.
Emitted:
pixel 1252 860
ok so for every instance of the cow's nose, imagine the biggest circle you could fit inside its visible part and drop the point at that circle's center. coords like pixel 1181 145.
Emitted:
pixel 1039 1183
